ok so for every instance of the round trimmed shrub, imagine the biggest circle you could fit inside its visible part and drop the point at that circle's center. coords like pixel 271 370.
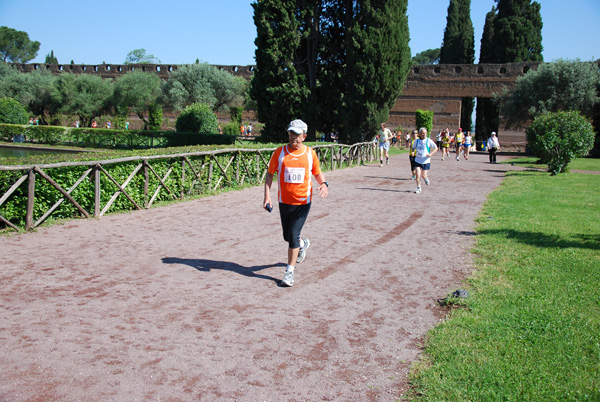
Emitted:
pixel 197 118
pixel 558 138
pixel 12 112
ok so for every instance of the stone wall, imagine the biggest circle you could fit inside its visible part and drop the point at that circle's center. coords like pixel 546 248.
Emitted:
pixel 117 70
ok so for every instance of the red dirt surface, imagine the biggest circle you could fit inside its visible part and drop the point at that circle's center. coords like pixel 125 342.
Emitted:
pixel 183 303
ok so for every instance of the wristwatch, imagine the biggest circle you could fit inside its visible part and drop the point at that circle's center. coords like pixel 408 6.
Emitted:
pixel 327 184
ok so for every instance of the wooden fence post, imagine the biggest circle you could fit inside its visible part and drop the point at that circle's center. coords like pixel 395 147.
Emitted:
pixel 30 199
pixel 146 181
pixel 96 191
pixel 182 177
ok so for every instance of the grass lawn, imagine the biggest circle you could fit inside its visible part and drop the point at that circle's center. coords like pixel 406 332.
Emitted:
pixel 577 164
pixel 530 330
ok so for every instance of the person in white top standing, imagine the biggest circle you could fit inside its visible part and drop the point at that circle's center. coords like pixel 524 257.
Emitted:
pixel 493 145
pixel 385 135
pixel 425 148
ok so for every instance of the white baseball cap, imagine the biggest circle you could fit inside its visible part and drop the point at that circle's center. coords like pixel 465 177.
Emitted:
pixel 298 126
pixel 493 133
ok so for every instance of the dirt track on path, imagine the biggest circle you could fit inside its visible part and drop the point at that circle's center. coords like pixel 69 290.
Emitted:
pixel 183 303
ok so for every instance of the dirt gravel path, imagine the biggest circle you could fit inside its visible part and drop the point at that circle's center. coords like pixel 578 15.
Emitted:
pixel 183 303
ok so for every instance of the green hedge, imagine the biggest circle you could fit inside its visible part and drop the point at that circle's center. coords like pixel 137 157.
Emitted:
pixel 110 138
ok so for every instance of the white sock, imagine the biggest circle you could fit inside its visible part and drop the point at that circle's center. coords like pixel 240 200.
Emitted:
pixel 290 269
pixel 301 243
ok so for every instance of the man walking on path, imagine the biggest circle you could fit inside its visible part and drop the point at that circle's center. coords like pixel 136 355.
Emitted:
pixel 295 164
pixel 385 135
pixel 424 148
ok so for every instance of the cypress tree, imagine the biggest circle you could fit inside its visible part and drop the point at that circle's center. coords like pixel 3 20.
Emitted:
pixel 276 85
pixel 458 47
pixel 345 62
pixel 378 60
pixel 512 33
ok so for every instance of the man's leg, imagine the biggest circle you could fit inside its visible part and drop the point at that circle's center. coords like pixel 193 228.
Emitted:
pixel 418 171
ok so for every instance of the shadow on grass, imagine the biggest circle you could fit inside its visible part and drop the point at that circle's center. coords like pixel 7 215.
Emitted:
pixel 544 240
pixel 207 265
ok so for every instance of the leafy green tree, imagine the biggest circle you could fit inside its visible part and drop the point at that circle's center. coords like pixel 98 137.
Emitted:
pixel 559 86
pixel 84 95
pixel 33 90
pixel 136 91
pixel 139 56
pixel 458 47
pixel 50 58
pixel 338 64
pixel 202 83
pixel 12 112
pixel 197 118
pixel 512 33
pixel 558 138
pixel 427 57
pixel 16 47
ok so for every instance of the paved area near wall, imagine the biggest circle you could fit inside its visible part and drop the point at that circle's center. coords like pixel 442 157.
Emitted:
pixel 183 303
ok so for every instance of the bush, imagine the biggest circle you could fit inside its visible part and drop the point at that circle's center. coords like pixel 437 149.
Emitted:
pixel 558 138
pixel 12 112
pixel 231 128
pixel 155 117
pixel 424 118
pixel 197 118
pixel 236 114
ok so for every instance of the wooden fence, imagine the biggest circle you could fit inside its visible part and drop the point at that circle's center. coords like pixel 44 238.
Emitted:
pixel 198 173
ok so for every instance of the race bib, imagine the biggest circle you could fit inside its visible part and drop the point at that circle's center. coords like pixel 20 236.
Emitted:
pixel 294 175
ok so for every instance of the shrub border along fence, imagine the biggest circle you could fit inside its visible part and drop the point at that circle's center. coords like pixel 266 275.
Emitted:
pixel 108 138
pixel 210 170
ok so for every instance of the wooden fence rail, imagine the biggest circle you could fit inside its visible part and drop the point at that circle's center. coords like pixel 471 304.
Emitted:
pixel 197 173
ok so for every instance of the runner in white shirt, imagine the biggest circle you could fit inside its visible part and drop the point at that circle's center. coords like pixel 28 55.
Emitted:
pixel 385 135
pixel 425 148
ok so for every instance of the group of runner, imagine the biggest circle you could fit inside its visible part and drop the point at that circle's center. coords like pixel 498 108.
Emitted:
pixel 295 164
pixel 461 142
pixel 422 148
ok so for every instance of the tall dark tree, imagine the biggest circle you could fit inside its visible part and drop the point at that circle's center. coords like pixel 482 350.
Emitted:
pixel 50 58
pixel 518 31
pixel 458 47
pixel 338 64
pixel 276 85
pixel 377 62
pixel 512 33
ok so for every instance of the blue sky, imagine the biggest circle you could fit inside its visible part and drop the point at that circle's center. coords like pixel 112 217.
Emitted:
pixel 223 32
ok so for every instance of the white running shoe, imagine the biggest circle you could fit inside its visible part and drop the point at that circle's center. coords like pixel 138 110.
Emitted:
pixel 418 190
pixel 457 158
pixel 302 252
pixel 288 279
pixel 426 181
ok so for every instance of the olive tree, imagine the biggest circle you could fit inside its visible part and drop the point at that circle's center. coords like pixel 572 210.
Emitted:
pixel 202 83
pixel 84 95
pixel 136 91
pixel 561 85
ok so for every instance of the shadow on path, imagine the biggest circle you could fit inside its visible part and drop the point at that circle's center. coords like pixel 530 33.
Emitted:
pixel 207 265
